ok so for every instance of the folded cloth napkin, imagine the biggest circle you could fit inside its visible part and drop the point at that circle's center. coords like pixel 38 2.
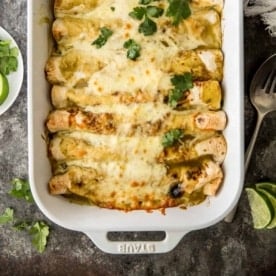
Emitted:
pixel 266 9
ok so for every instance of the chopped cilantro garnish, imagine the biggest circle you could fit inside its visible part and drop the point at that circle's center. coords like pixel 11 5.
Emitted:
pixel 171 137
pixel 146 2
pixel 178 10
pixel 174 96
pixel 112 8
pixel 148 26
pixel 181 84
pixel 133 49
pixel 138 13
pixel 103 37
pixel 154 11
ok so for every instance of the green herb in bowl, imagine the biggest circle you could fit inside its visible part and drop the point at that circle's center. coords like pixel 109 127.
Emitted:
pixel 8 57
pixel 8 64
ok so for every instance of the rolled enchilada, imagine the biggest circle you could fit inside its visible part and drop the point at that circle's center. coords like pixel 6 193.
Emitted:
pixel 138 118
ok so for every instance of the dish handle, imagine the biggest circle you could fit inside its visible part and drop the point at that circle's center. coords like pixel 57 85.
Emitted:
pixel 101 240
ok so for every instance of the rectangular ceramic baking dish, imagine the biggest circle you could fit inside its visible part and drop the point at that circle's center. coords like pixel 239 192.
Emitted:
pixel 96 222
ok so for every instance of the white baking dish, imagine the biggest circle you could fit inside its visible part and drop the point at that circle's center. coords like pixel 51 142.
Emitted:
pixel 97 222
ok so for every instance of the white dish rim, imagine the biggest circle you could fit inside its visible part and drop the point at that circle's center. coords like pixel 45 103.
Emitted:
pixel 97 222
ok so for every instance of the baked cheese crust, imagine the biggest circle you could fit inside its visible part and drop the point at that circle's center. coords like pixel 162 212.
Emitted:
pixel 136 132
pixel 207 93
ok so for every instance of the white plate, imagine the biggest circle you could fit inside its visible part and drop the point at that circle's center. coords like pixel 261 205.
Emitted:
pixel 15 78
pixel 97 222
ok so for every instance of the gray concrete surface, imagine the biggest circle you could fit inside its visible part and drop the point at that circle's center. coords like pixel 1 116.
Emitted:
pixel 223 249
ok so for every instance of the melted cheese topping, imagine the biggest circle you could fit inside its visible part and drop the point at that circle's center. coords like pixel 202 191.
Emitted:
pixel 108 141
pixel 148 148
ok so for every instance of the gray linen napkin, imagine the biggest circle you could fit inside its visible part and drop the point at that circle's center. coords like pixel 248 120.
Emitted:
pixel 267 11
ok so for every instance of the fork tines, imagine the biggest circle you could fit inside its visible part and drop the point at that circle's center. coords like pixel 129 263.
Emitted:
pixel 270 83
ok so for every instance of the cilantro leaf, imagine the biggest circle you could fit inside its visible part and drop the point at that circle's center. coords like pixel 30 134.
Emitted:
pixel 138 13
pixel 133 49
pixel 103 37
pixel 181 84
pixel 4 48
pixel 39 232
pixel 174 96
pixel 178 10
pixel 8 57
pixel 7 216
pixel 23 225
pixel 144 2
pixel 21 189
pixel 154 11
pixel 171 137
pixel 147 27
pixel 14 52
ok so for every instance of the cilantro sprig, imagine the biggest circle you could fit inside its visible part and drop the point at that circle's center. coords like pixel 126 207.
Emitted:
pixel 146 2
pixel 171 137
pixel 133 49
pixel 105 33
pixel 38 230
pixel 178 10
pixel 8 57
pixel 148 26
pixel 7 216
pixel 181 84
pixel 21 189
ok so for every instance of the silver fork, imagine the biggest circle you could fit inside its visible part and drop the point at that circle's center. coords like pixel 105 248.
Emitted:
pixel 263 97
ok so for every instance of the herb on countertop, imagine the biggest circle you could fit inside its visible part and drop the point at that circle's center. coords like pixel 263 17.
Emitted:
pixel 7 216
pixel 181 84
pixel 38 230
pixel 178 10
pixel 21 189
pixel 103 37
pixel 133 49
pixel 171 137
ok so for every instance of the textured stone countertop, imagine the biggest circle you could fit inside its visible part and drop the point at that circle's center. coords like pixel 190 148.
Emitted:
pixel 223 249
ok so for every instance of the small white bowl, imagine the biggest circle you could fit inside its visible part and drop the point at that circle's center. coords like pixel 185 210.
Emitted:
pixel 15 78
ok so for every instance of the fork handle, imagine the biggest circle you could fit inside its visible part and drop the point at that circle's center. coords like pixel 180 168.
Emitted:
pixel 251 145
pixel 248 153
